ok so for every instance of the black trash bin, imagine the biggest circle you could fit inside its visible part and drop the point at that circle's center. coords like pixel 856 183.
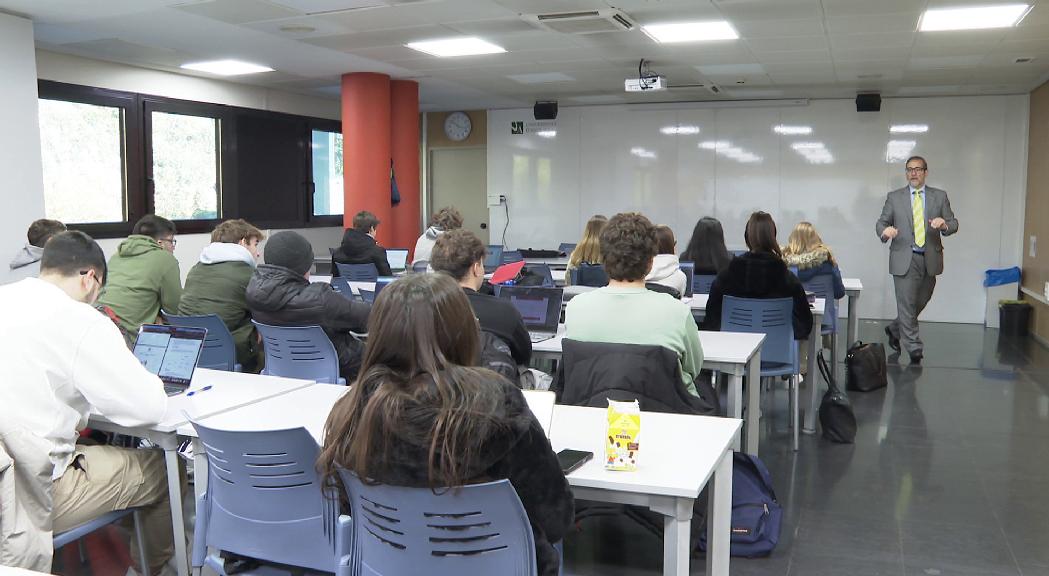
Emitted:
pixel 1014 317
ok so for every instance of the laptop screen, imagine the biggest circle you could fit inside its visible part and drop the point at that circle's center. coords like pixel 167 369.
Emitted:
pixel 397 257
pixel 540 308
pixel 382 282
pixel 689 268
pixel 170 352
pixel 494 259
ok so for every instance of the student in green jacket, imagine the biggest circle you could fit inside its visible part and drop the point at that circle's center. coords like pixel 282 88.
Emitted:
pixel 216 285
pixel 143 275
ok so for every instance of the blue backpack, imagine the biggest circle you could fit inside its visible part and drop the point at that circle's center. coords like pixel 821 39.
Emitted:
pixel 756 515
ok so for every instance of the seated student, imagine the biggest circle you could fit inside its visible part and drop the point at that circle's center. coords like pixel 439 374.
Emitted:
pixel 359 246
pixel 806 251
pixel 280 293
pixel 588 250
pixel 26 262
pixel 760 273
pixel 63 360
pixel 666 270
pixel 422 414
pixel 625 312
pixel 461 254
pixel 707 247
pixel 144 275
pixel 217 285
pixel 445 220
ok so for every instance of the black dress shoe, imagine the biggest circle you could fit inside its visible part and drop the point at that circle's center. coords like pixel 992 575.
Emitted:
pixel 917 358
pixel 894 342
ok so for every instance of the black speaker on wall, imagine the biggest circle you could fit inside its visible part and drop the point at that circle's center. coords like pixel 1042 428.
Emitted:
pixel 868 102
pixel 545 110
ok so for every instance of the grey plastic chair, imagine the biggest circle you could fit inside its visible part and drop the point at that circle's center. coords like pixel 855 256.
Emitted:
pixel 265 501
pixel 75 533
pixel 299 352
pixel 420 266
pixel 219 352
pixel 478 529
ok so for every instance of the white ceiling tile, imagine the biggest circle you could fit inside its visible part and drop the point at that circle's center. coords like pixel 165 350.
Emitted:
pixel 120 51
pixel 321 6
pixel 754 93
pixel 933 90
pixel 877 41
pixel 777 28
pixel 541 78
pixel 298 28
pixel 389 53
pixel 898 53
pixel 498 27
pixel 944 62
pixel 834 8
pixel 536 40
pixel 796 56
pixel 731 69
pixel 958 38
pixel 598 99
pixel 870 23
pixel 400 36
pixel 239 11
pixel 803 78
pixel 770 9
pixel 547 6
pixel 419 14
pixel 787 44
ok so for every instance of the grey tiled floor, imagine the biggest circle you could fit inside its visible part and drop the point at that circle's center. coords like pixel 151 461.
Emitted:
pixel 949 474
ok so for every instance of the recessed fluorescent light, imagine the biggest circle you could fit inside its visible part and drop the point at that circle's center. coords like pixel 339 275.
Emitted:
pixel 466 46
pixel 808 146
pixel 227 67
pixel 792 130
pixel 972 18
pixel 909 128
pixel 642 152
pixel 682 130
pixel 715 144
pixel 690 31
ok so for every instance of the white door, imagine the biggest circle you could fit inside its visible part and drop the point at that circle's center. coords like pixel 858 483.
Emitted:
pixel 458 177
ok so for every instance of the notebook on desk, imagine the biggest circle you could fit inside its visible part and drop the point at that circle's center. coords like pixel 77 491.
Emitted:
pixel 170 352
pixel 540 308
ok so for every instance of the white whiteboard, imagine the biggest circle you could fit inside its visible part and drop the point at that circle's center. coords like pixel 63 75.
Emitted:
pixel 608 159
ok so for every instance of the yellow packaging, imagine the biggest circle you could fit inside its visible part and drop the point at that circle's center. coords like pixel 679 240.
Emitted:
pixel 623 434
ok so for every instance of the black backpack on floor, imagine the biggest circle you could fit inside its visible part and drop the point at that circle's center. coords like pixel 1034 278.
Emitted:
pixel 836 416
pixel 865 368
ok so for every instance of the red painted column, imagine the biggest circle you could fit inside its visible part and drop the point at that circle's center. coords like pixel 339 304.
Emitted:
pixel 366 149
pixel 404 149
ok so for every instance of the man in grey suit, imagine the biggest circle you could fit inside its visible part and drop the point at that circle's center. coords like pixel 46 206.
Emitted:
pixel 914 218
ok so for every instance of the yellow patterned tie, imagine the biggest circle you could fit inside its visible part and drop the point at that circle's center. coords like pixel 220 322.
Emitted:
pixel 919 219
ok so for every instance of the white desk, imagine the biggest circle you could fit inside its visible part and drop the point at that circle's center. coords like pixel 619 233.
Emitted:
pixel 670 475
pixel 229 390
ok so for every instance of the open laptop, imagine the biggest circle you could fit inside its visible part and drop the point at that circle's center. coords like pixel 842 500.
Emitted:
pixel 170 352
pixel 494 259
pixel 381 282
pixel 689 268
pixel 540 308
pixel 398 259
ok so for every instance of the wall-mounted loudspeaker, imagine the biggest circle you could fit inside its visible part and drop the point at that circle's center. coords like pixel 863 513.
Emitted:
pixel 868 102
pixel 545 110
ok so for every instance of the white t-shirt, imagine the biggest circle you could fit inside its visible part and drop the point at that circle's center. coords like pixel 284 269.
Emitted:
pixel 60 359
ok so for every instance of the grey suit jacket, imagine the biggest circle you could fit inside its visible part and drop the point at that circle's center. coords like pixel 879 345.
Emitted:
pixel 897 212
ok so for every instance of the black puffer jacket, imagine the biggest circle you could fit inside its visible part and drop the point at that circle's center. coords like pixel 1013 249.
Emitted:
pixel 359 248
pixel 758 275
pixel 279 296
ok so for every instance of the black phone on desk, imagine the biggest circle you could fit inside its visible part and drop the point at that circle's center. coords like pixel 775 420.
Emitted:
pixel 571 460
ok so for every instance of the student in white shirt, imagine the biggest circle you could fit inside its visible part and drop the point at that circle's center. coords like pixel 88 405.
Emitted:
pixel 62 359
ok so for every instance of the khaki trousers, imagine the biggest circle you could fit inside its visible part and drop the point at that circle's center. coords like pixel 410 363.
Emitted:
pixel 105 478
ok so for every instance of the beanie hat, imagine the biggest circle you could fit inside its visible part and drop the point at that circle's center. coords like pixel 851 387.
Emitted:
pixel 290 250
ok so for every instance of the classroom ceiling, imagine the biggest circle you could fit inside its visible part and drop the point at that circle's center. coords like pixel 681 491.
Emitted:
pixel 786 49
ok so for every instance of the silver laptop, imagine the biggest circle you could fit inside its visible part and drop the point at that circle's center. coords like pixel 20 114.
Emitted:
pixel 398 259
pixel 540 308
pixel 170 352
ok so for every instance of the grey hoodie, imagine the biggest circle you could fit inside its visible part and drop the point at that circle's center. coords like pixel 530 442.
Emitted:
pixel 667 271
pixel 26 263
pixel 424 246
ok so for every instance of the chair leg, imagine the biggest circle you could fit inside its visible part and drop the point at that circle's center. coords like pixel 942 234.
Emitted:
pixel 795 415
pixel 140 542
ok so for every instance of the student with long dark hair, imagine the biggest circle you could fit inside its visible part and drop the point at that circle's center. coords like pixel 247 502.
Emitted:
pixel 422 414
pixel 759 273
pixel 707 247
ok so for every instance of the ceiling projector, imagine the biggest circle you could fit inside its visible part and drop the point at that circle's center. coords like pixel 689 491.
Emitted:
pixel 653 83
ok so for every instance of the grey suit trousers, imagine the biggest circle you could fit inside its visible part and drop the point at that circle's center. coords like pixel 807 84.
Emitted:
pixel 913 291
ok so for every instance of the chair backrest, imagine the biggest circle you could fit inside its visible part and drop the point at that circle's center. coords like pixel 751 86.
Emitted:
pixel 822 285
pixel 701 283
pixel 299 352
pixel 475 529
pixel 264 498
pixel 772 317
pixel 420 266
pixel 358 272
pixel 590 275
pixel 511 256
pixel 566 248
pixel 219 352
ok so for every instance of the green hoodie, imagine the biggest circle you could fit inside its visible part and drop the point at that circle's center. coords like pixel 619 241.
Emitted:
pixel 143 277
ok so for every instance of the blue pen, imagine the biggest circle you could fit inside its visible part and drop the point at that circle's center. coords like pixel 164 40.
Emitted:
pixel 208 387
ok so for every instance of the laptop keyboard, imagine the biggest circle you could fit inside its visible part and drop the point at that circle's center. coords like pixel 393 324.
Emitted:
pixel 174 389
pixel 540 336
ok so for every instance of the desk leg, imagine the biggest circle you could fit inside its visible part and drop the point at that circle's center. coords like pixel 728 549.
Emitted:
pixel 734 409
pixel 813 377
pixel 853 329
pixel 200 481
pixel 719 517
pixel 753 404
pixel 677 528
pixel 178 526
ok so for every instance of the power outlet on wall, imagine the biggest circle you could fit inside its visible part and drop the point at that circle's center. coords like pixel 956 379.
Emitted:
pixel 1046 293
pixel 1032 249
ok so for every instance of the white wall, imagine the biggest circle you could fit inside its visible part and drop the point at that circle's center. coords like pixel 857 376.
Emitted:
pixel 88 72
pixel 21 183
pixel 975 147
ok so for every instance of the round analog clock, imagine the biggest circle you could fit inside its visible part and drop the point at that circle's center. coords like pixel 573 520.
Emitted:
pixel 457 126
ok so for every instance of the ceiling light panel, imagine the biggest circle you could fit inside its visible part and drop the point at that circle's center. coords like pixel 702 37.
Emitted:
pixel 541 78
pixel 973 17
pixel 909 128
pixel 675 32
pixel 787 130
pixel 451 47
pixel 227 67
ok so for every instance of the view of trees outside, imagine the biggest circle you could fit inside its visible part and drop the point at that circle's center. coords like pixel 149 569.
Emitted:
pixel 327 173
pixel 185 166
pixel 81 147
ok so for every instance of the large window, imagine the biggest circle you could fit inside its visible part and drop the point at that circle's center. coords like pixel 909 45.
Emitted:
pixel 327 173
pixel 82 148
pixel 185 151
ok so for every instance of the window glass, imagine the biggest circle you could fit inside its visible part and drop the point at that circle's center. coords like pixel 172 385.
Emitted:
pixel 327 173
pixel 185 166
